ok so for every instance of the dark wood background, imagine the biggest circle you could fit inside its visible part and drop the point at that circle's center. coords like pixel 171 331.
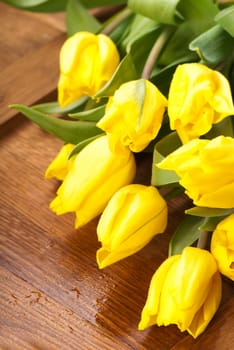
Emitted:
pixel 53 296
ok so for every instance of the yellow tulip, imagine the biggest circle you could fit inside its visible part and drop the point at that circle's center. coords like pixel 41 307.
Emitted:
pixel 222 246
pixel 133 216
pixel 185 290
pixel 87 61
pixel 206 171
pixel 60 166
pixel 198 97
pixel 95 175
pixel 134 115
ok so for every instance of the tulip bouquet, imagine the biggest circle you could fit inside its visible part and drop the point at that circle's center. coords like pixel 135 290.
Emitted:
pixel 157 76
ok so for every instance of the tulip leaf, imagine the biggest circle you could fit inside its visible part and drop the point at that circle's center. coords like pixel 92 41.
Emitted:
pixel 39 5
pixel 158 10
pixel 162 77
pixel 93 115
pixel 205 48
pixel 226 19
pixel 138 28
pixel 225 128
pixel 117 32
pixel 209 212
pixel 79 19
pixel 83 144
pixel 211 223
pixel 186 234
pixel 58 5
pixel 98 3
pixel 126 71
pixel 25 3
pixel 168 144
pixel 198 17
pixel 54 108
pixel 67 130
pixel 141 47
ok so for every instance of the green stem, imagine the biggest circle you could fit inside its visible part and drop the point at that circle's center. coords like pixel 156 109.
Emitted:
pixel 203 240
pixel 117 20
pixel 155 52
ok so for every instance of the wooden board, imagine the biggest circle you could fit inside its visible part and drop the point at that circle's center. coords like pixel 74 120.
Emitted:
pixel 52 294
pixel 30 45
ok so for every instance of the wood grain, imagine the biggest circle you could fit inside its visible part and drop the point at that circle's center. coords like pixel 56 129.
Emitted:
pixel 28 57
pixel 53 297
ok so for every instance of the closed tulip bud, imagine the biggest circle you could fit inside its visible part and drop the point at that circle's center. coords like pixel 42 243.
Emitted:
pixel 61 164
pixel 134 115
pixel 133 216
pixel 95 175
pixel 222 246
pixel 198 97
pixel 87 61
pixel 206 171
pixel 185 290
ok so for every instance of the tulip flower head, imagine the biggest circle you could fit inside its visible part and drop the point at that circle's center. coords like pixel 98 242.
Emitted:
pixel 87 61
pixel 206 171
pixel 60 166
pixel 222 246
pixel 185 290
pixel 198 97
pixel 134 114
pixel 95 175
pixel 133 216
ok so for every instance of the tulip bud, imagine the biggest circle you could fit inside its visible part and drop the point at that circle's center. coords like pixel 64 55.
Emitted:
pixel 60 166
pixel 198 97
pixel 133 216
pixel 87 61
pixel 222 246
pixel 134 114
pixel 206 171
pixel 95 175
pixel 185 290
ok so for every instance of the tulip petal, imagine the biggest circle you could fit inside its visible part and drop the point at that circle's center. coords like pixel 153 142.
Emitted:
pixel 150 311
pixel 208 309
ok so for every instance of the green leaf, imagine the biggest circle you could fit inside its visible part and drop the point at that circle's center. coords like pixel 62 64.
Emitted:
pixel 59 4
pixel 98 3
pixel 83 144
pixel 79 19
pixel 198 17
pixel 186 234
pixel 125 72
pixel 162 77
pixel 141 47
pixel 226 19
pixel 25 3
pixel 138 27
pixel 208 212
pixel 225 128
pixel 158 10
pixel 93 115
pixel 205 48
pixel 162 177
pixel 54 108
pixel 39 5
pixel 67 130
pixel 211 223
pixel 117 25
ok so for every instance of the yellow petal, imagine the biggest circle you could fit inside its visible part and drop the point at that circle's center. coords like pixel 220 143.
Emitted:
pixel 133 216
pixel 60 166
pixel 150 311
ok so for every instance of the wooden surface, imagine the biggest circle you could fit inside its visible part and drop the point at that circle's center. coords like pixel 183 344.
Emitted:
pixel 52 295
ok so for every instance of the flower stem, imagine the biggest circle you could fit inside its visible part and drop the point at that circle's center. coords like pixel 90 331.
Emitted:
pixel 203 239
pixel 155 52
pixel 117 20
